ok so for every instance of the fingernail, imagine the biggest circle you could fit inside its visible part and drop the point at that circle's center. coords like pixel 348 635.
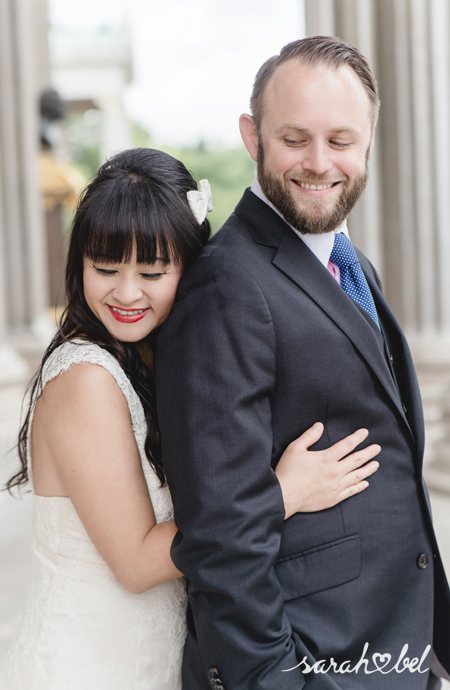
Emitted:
pixel 317 426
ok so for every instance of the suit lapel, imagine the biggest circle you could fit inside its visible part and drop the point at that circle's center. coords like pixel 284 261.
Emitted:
pixel 297 262
pixel 301 266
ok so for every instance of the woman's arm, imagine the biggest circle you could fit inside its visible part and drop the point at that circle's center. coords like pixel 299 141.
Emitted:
pixel 315 480
pixel 83 422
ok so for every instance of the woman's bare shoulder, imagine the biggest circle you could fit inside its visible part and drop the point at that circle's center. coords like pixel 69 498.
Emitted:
pixel 85 388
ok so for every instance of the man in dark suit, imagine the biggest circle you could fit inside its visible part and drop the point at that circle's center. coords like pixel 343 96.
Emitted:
pixel 279 324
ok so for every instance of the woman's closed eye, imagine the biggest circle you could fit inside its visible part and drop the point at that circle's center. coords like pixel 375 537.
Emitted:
pixel 104 271
pixel 112 272
pixel 153 276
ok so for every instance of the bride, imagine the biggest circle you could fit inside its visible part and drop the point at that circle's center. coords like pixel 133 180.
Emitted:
pixel 106 609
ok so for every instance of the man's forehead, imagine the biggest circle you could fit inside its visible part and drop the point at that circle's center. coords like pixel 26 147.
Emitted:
pixel 294 82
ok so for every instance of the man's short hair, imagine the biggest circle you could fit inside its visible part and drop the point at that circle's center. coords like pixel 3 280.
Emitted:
pixel 316 50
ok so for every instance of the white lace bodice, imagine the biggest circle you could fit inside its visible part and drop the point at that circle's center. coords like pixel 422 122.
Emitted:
pixel 81 629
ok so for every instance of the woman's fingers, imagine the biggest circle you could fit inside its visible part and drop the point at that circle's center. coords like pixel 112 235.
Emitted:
pixel 355 482
pixel 351 491
pixel 359 458
pixel 342 448
pixel 315 480
pixel 309 437
pixel 353 478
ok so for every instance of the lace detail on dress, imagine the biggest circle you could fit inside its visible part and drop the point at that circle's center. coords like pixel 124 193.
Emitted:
pixel 81 629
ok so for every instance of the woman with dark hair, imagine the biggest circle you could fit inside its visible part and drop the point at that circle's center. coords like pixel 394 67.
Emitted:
pixel 106 610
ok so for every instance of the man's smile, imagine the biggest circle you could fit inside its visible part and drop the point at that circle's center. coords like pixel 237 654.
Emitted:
pixel 316 190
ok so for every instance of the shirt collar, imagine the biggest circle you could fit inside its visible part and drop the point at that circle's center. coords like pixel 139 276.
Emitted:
pixel 320 245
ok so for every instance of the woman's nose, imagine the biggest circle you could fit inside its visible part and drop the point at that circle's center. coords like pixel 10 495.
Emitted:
pixel 127 292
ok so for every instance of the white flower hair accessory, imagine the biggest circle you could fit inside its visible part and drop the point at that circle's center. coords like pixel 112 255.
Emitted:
pixel 200 201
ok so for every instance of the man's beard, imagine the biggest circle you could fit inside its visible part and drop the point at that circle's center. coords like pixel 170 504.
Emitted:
pixel 304 222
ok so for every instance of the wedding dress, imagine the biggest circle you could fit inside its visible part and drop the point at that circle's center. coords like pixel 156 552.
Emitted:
pixel 81 629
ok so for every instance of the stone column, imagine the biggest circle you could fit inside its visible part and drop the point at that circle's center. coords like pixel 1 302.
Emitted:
pixel 320 17
pixel 29 86
pixel 23 272
pixel 403 220
pixel 12 367
pixel 115 126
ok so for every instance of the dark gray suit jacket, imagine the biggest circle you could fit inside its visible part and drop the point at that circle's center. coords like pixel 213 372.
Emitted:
pixel 262 342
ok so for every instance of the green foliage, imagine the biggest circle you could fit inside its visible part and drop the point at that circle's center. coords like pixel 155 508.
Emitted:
pixel 229 172
pixel 141 138
pixel 82 137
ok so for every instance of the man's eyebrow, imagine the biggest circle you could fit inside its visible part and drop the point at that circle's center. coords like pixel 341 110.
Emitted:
pixel 288 127
pixel 344 130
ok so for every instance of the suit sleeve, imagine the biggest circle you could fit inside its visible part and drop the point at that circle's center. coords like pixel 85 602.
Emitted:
pixel 215 372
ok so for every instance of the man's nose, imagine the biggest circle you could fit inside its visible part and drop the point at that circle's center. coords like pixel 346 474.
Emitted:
pixel 317 158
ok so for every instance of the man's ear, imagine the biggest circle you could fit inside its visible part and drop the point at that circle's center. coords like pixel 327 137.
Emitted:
pixel 249 135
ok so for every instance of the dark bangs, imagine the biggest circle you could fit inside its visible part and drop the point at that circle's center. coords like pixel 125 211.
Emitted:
pixel 124 211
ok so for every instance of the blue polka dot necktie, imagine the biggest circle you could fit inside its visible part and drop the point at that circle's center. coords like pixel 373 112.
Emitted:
pixel 353 280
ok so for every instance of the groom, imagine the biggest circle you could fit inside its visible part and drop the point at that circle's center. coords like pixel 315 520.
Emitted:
pixel 277 326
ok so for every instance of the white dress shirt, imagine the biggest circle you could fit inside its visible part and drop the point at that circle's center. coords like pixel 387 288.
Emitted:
pixel 320 245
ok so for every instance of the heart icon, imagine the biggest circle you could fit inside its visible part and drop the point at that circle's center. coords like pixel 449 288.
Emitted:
pixel 384 660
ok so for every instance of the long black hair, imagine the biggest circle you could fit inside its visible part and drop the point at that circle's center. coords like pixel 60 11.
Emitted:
pixel 137 199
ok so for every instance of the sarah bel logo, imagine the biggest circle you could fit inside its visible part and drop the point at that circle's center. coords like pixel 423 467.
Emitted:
pixel 381 663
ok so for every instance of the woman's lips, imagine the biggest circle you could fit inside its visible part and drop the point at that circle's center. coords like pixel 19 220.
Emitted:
pixel 127 315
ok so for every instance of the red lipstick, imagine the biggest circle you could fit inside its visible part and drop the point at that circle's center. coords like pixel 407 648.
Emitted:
pixel 131 316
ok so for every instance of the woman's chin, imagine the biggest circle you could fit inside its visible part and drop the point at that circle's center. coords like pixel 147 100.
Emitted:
pixel 128 332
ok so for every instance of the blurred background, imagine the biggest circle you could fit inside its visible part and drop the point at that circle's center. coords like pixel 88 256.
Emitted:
pixel 80 81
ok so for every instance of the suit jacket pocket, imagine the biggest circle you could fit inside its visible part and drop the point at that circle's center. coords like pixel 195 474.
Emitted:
pixel 321 567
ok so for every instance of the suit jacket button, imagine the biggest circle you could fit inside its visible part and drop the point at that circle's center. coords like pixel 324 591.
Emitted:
pixel 391 358
pixel 213 673
pixel 423 561
pixel 405 410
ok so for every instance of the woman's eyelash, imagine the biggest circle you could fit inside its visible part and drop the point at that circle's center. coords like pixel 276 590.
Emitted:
pixel 105 271
pixel 147 276
pixel 153 276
